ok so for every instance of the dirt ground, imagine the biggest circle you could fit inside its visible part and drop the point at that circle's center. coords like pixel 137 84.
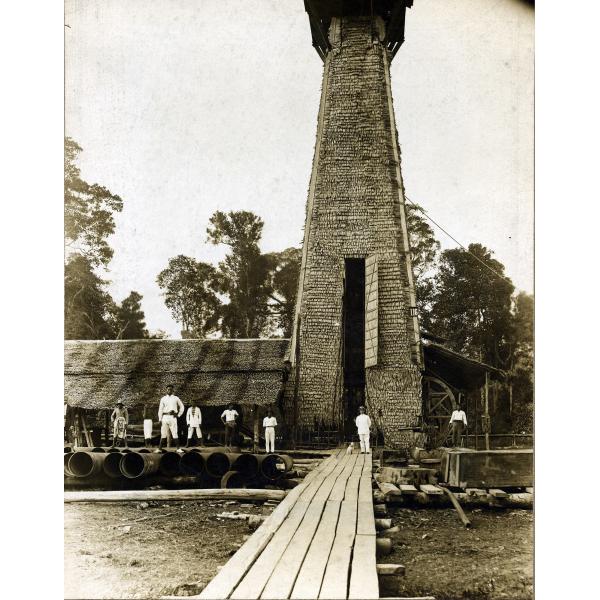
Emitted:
pixel 124 551
pixel 492 560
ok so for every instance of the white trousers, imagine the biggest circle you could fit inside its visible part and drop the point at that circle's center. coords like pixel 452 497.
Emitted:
pixel 364 442
pixel 169 422
pixel 270 438
pixel 191 432
pixel 147 428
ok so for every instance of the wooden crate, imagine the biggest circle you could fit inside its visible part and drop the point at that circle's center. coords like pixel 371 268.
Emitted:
pixel 488 468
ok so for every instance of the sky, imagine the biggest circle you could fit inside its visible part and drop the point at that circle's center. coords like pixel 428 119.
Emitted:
pixel 184 107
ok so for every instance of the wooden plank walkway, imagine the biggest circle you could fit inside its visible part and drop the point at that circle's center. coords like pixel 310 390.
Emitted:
pixel 318 543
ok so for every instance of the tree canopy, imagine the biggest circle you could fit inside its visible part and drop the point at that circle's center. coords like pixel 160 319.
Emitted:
pixel 188 289
pixel 243 276
pixel 89 212
pixel 129 319
pixel 471 306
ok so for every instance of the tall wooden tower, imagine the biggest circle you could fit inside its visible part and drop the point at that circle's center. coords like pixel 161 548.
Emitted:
pixel 356 336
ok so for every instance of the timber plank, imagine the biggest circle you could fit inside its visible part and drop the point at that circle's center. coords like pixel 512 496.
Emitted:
pixel 431 490
pixel 281 581
pixel 365 490
pixel 335 580
pixel 339 489
pixel 496 493
pixel 365 521
pixel 407 488
pixel 364 584
pixel 325 489
pixel 308 582
pixel 223 584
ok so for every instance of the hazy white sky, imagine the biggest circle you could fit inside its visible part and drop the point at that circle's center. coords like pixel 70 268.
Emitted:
pixel 184 107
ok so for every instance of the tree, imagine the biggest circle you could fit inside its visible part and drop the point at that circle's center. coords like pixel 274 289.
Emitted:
pixel 471 306
pixel 424 252
pixel 88 307
pixel 89 210
pixel 284 273
pixel 244 274
pixel 188 288
pixel 129 319
pixel 520 378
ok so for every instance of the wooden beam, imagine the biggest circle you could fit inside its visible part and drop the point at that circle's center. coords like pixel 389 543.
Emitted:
pixel 431 490
pixel 179 495
pixel 461 513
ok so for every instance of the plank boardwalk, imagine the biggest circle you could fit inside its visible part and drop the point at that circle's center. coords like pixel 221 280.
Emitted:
pixel 318 543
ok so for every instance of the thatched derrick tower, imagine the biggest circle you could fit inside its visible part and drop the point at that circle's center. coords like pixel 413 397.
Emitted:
pixel 356 337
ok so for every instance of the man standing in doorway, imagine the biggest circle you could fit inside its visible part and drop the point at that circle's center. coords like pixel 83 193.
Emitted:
pixel 194 420
pixel 229 418
pixel 363 426
pixel 120 420
pixel 269 423
pixel 458 421
pixel 169 409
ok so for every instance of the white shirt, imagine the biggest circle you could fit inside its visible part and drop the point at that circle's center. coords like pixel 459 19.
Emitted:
pixel 169 403
pixel 229 415
pixel 194 417
pixel 269 422
pixel 363 424
pixel 459 415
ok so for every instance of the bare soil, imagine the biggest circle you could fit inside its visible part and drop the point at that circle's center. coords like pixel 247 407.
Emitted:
pixel 176 548
pixel 123 551
pixel 492 560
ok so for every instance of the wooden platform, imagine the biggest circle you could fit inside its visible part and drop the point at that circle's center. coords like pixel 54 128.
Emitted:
pixel 318 543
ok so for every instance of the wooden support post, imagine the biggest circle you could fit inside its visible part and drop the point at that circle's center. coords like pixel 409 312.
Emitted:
pixel 461 513
pixel 88 439
pixel 106 428
pixel 256 432
pixel 487 411
pixel 296 382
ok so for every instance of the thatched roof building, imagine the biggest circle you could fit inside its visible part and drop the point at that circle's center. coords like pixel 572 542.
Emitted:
pixel 136 372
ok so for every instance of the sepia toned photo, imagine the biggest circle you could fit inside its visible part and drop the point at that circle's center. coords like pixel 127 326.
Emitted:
pixel 298 299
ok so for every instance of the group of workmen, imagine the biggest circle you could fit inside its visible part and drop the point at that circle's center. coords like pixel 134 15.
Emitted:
pixel 171 408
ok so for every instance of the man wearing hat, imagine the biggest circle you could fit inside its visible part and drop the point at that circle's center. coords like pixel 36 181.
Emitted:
pixel 363 428
pixel 120 420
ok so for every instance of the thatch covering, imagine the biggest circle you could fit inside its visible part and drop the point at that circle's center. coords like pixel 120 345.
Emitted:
pixel 136 372
pixel 458 370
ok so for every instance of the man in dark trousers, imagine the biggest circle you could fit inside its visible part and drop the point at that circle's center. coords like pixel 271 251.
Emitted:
pixel 458 421
pixel 229 418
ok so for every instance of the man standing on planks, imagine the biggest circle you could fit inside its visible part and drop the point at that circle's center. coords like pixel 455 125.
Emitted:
pixel 269 423
pixel 229 418
pixel 363 425
pixel 120 420
pixel 458 421
pixel 169 409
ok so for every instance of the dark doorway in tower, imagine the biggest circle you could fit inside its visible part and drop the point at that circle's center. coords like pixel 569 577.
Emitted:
pixel 354 343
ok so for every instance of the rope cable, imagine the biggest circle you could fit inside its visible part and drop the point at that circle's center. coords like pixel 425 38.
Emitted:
pixel 456 241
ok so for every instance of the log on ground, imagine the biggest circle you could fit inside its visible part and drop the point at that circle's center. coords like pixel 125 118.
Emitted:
pixel 137 495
